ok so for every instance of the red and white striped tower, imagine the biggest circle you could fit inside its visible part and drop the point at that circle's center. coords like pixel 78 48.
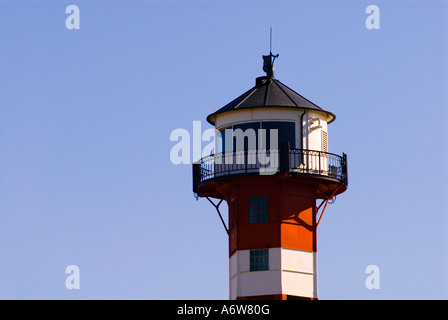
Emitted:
pixel 273 169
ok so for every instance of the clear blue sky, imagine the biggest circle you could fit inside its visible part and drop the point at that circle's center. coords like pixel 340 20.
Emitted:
pixel 86 116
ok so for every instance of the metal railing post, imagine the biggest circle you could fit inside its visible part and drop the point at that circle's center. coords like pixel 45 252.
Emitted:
pixel 284 157
pixel 320 171
pixel 344 168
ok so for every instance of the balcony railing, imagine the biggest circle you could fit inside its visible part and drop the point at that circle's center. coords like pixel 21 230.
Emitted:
pixel 270 162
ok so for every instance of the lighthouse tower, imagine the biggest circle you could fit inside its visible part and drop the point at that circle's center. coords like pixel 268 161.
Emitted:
pixel 273 168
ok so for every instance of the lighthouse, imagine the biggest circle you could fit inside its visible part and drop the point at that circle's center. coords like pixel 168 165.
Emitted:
pixel 272 167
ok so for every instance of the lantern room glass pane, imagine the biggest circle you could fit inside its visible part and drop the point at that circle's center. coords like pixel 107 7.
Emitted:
pixel 286 132
pixel 248 136
pixel 246 139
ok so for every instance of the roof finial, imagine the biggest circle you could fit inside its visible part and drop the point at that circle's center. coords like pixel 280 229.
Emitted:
pixel 268 61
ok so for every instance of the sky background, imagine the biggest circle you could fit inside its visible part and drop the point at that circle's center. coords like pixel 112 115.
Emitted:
pixel 85 123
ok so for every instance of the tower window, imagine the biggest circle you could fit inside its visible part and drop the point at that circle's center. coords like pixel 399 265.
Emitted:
pixel 258 209
pixel 259 259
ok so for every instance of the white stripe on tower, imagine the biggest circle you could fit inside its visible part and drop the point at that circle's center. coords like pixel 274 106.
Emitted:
pixel 290 272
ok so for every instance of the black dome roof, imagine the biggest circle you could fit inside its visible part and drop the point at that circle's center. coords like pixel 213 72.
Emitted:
pixel 269 92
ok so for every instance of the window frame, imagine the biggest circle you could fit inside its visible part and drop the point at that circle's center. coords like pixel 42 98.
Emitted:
pixel 258 209
pixel 259 260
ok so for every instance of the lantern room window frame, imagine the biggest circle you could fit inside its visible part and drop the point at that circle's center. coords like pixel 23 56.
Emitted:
pixel 286 132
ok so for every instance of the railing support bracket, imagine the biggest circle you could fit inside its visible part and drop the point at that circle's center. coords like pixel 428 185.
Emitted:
pixel 219 213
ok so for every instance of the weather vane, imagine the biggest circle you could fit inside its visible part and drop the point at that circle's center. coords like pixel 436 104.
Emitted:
pixel 268 61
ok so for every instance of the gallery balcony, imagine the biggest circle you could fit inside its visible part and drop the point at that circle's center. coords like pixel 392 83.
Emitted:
pixel 310 164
